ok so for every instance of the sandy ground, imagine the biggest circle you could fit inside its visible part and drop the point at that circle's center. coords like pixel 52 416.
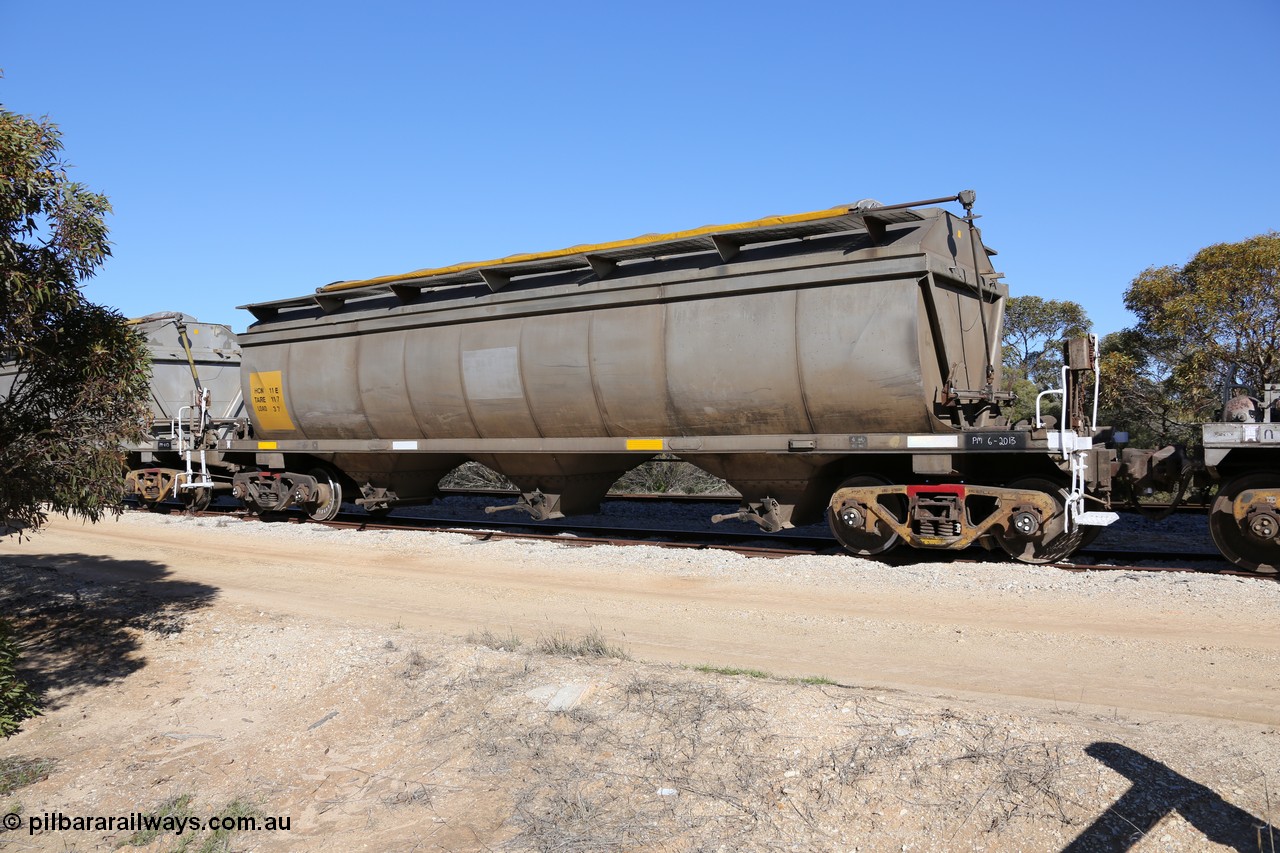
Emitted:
pixel 369 687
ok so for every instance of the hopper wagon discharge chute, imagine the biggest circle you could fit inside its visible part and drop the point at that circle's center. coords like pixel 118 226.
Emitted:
pixel 842 363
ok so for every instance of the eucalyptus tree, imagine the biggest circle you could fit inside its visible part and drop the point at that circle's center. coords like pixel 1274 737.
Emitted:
pixel 74 380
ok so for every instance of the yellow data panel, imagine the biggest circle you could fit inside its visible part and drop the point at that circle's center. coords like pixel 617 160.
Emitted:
pixel 267 390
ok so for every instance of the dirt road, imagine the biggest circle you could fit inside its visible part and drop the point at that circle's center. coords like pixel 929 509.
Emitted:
pixel 368 689
pixel 1180 644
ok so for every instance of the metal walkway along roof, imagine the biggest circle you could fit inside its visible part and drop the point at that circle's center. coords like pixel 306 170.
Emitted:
pixel 603 258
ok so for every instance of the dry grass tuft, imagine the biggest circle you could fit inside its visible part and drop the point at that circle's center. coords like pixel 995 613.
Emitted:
pixel 487 638
pixel 590 645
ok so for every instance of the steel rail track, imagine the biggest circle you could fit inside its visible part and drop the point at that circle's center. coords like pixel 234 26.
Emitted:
pixel 797 545
pixel 780 545
pixel 753 544
pixel 1182 507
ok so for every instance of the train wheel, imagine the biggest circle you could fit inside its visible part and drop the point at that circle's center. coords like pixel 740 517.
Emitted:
pixel 854 538
pixel 196 500
pixel 1033 548
pixel 1253 547
pixel 1089 534
pixel 328 502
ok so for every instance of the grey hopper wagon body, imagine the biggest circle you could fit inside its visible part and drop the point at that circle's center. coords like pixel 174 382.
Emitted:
pixel 187 354
pixel 857 345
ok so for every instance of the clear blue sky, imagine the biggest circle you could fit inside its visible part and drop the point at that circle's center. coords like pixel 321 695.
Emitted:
pixel 255 151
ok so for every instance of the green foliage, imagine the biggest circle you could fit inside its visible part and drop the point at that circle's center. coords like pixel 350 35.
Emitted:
pixel 17 700
pixel 221 839
pixel 174 807
pixel 75 379
pixel 1203 329
pixel 16 772
pixel 817 681
pixel 1034 331
pixel 213 841
pixel 711 669
pixel 1141 395
pixel 1214 323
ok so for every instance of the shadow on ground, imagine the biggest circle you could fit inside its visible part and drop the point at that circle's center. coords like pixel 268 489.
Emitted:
pixel 80 617
pixel 1158 791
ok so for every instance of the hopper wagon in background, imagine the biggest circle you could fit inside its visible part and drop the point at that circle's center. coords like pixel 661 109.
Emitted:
pixel 1242 455
pixel 841 363
pixel 195 401
pixel 1238 461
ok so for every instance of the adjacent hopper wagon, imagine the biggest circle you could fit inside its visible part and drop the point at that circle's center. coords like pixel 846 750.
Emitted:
pixel 195 400
pixel 1242 454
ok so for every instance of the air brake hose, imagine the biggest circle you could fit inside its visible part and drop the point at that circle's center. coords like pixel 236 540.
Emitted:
pixel 1184 480
pixel 966 199
pixel 191 361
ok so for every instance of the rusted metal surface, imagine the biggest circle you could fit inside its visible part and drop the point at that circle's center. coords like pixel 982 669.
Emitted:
pixel 1242 453
pixel 1244 520
pixel 150 485
pixel 947 516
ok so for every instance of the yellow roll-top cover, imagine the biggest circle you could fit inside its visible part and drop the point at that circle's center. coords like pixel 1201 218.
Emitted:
pixel 769 224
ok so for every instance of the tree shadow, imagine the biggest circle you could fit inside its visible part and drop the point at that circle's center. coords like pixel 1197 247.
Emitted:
pixel 80 618
pixel 1157 792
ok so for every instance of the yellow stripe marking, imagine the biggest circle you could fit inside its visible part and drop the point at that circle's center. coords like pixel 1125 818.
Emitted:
pixel 829 213
pixel 644 444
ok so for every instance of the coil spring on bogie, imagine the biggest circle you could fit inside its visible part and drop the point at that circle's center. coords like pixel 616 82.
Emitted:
pixel 937 516
pixel 937 527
